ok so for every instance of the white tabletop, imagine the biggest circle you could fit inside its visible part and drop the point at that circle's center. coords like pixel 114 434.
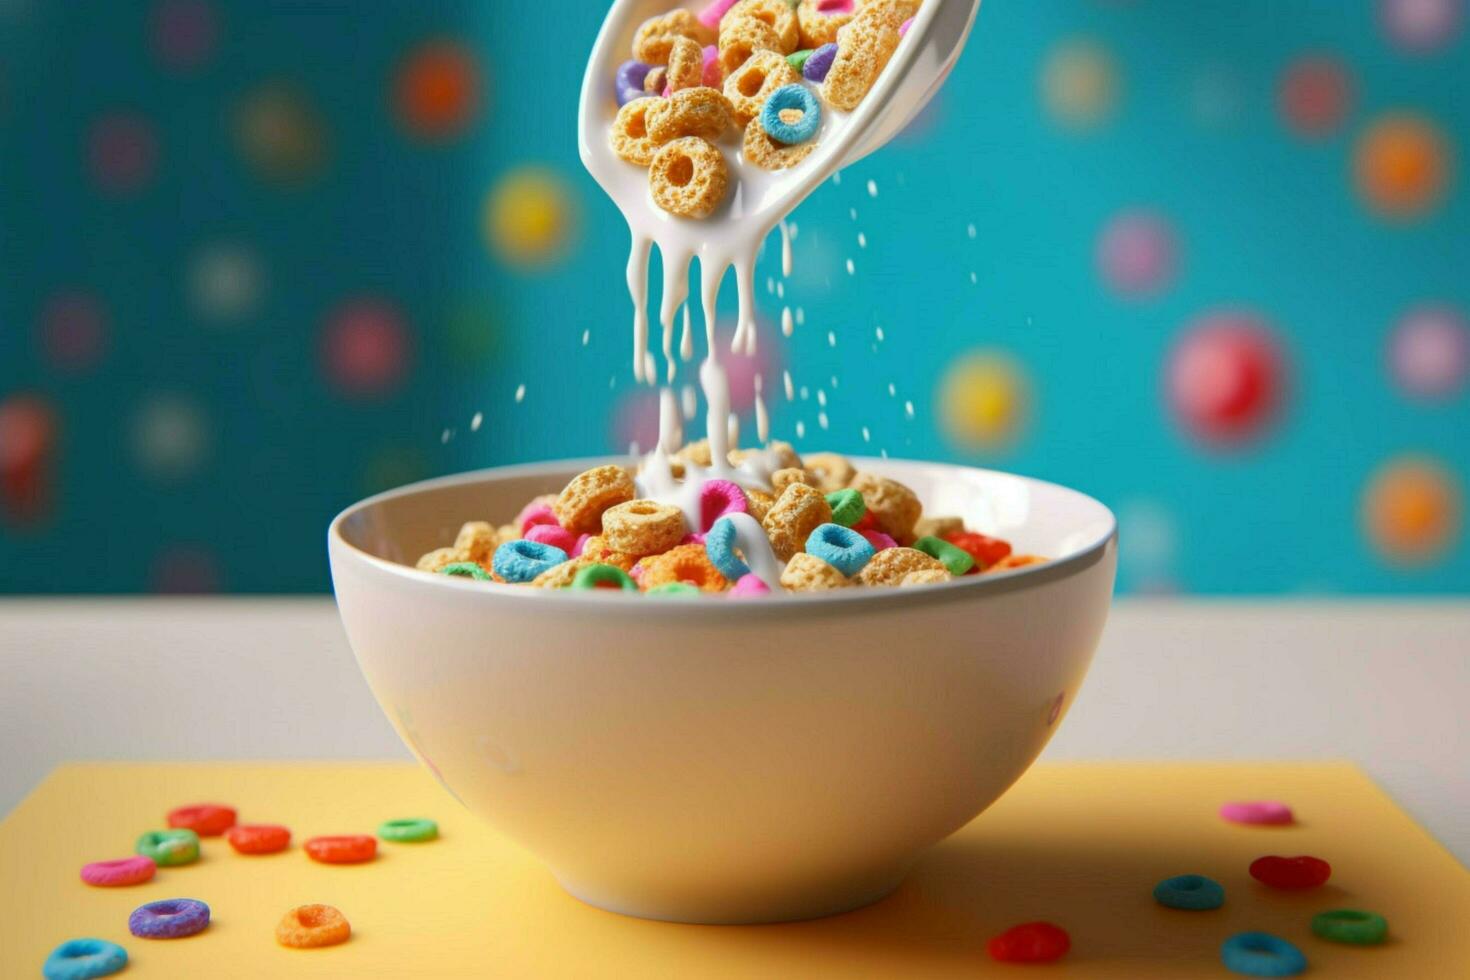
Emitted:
pixel 1382 683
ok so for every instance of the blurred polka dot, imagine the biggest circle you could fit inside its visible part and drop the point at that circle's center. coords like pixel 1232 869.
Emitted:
pixel 226 282
pixel 1429 352
pixel 1080 83
pixel 437 90
pixel 472 333
pixel 1421 26
pixel 365 348
pixel 392 466
pixel 170 436
pixel 1226 378
pixel 1136 253
pixel 1216 96
pixel 73 329
pixel 28 434
pixel 280 134
pixel 184 570
pixel 1314 95
pixel 918 129
pixel 1402 166
pixel 530 217
pixel 184 33
pixel 741 368
pixel 122 153
pixel 635 420
pixel 1151 535
pixel 983 400
pixel 1412 510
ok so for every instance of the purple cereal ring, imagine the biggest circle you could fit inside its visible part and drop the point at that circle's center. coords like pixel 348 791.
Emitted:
pixel 124 871
pixel 629 81
pixel 718 498
pixel 817 66
pixel 749 585
pixel 1270 813
pixel 879 540
pixel 554 535
pixel 172 918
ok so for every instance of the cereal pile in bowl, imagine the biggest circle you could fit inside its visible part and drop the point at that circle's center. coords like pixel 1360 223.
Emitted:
pixel 822 525
pixel 752 72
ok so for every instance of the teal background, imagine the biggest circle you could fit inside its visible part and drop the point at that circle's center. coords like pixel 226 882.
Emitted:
pixel 1266 221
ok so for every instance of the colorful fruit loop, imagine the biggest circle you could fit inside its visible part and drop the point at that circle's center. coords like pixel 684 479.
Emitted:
pixel 172 918
pixel 1291 873
pixel 84 959
pixel 342 849
pixel 312 926
pixel 258 838
pixel 118 873
pixel 1031 942
pixel 205 819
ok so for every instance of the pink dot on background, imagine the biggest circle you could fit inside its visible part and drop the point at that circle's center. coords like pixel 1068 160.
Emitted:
pixel 73 329
pixel 1137 253
pixel 743 368
pixel 1421 26
pixel 1429 351
pixel 1314 96
pixel 365 348
pixel 1226 378
pixel 122 152
pixel 635 420
pixel 184 33
pixel 186 570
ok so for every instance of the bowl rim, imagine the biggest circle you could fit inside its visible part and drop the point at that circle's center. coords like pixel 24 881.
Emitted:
pixel 611 602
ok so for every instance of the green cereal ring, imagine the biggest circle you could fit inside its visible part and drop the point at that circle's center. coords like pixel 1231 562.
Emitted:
pixel 595 576
pixel 847 507
pixel 1350 926
pixel 957 560
pixel 168 848
pixel 408 831
pixel 680 589
pixel 466 569
pixel 798 58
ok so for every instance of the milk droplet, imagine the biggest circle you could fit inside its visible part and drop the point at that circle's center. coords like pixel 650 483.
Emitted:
pixel 831 339
pixel 788 232
pixel 822 419
pixel 786 380
pixel 970 229
pixel 851 269
pixel 520 394
pixel 867 436
pixel 883 453
pixel 444 436
pixel 908 409
pixel 872 189
pixel 800 429
pixel 878 332
pixel 862 240
pixel 805 393
pixel 762 421
pixel 892 390
pixel 786 321
pixel 974 278
pixel 477 421
pixel 852 213
pixel 780 290
pixel 821 397
pixel 800 316
pixel 586 337
pixel 834 381
pixel 837 178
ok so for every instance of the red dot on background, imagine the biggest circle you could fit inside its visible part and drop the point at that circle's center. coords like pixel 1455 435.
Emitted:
pixel 437 91
pixel 1314 95
pixel 1226 378
pixel 1137 253
pixel 365 348
pixel 122 152
pixel 27 449
pixel 184 570
pixel 184 33
pixel 73 329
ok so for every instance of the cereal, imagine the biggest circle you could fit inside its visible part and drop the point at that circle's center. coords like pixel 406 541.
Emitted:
pixel 342 849
pixel 698 111
pixel 1350 926
pixel 877 539
pixel 784 454
pixel 863 49
pixel 508 532
pixel 759 503
pixel 562 576
pixel 956 560
pixel 714 74
pixel 742 40
pixel 1192 892
pixel 1291 873
pixel 655 38
pixel 718 498
pixel 818 21
pixel 832 470
pixel 776 115
pixel 797 59
pixel 119 873
pixel 847 506
pixel 939 527
pixel 1016 561
pixel 84 959
pixel 808 573
pixel 259 838
pixel 554 535
pixel 719 546
pixel 630 139
pixel 890 565
pixel 711 15
pixel 172 918
pixel 1031 942
pixel 600 576
pixel 686 563
pixel 643 527
pixel 522 561
pixel 894 507
pixel 1259 812
pixel 926 576
pixel 538 511
pixel 749 586
pixel 793 517
pixel 984 549
pixel 841 547
pixel 677 589
pixel 686 64
pixel 656 81
pixel 758 148
pixel 169 848
pixel 816 67
pixel 781 479
pixel 579 507
pixel 688 177
pixel 466 569
pixel 775 14
pixel 695 452
pixel 413 830
pixel 438 559
pixel 1260 954
pixel 477 541
pixel 628 82
pixel 749 85
pixel 312 926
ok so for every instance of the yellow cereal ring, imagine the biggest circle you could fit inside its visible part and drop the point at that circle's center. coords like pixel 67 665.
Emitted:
pixel 312 926
pixel 687 563
pixel 775 14
pixel 699 111
pixel 688 177
pixel 742 40
pixel 758 148
pixel 580 505
pixel 748 86
pixel 643 527
pixel 892 565
pixel 655 38
pixel 630 139
pixel 686 65
pixel 808 573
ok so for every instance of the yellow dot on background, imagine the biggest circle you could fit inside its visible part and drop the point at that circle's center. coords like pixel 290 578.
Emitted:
pixel 1402 165
pixel 983 400
pixel 1412 509
pixel 529 217
pixel 1080 83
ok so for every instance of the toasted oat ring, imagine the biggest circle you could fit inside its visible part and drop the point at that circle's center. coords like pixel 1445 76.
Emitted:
pixel 863 49
pixel 775 14
pixel 686 64
pixel 643 527
pixel 751 84
pixel 759 149
pixel 698 111
pixel 580 505
pixel 819 20
pixel 655 38
pixel 688 177
pixel 630 139
pixel 312 926
pixel 742 39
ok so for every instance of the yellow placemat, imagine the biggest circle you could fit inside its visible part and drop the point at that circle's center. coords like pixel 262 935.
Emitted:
pixel 1081 845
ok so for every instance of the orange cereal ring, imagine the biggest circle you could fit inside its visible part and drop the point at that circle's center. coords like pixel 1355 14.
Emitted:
pixel 818 21
pixel 698 111
pixel 688 177
pixel 688 563
pixel 895 508
pixel 793 517
pixel 312 926
pixel 892 565
pixel 686 64
pixel 740 42
pixel 775 14
pixel 749 85
pixel 643 527
pixel 758 148
pixel 342 849
pixel 808 573
pixel 655 38
pixel 1015 561
pixel 580 505
pixel 630 139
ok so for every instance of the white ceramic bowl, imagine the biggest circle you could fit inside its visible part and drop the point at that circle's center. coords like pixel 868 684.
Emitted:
pixel 712 760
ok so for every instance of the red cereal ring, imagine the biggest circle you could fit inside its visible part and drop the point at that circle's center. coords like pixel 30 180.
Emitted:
pixel 1292 872
pixel 258 838
pixel 205 819
pixel 1031 942
pixel 342 849
pixel 982 547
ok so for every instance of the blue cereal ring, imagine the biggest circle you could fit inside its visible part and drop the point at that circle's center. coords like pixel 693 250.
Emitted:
pixel 172 918
pixel 628 83
pixel 719 544
pixel 1260 954
pixel 818 63
pixel 797 97
pixel 1195 892
pixel 522 560
pixel 841 547
pixel 83 959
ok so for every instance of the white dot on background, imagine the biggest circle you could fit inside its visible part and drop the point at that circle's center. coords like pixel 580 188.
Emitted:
pixel 586 337
pixel 225 282
pixel 833 379
pixel 805 392
pixel 867 436
pixel 822 397
pixel 892 390
pixel 872 189
pixel 974 279
pixel 520 393
pixel 170 437
pixel 786 321
pixel 822 419
pixel 800 429
pixel 837 178
pixel 851 269
pixel 477 421
pixel 831 339
pixel 800 316
pixel 878 332
pixel 908 409
pixel 780 290
pixel 852 213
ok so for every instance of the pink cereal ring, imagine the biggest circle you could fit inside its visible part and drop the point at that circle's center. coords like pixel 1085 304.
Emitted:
pixel 552 534
pixel 718 498
pixel 711 15
pixel 712 74
pixel 124 871
pixel 535 514
pixel 904 27
pixel 692 539
pixel 749 585
pixel 879 540
pixel 1269 813
pixel 580 546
